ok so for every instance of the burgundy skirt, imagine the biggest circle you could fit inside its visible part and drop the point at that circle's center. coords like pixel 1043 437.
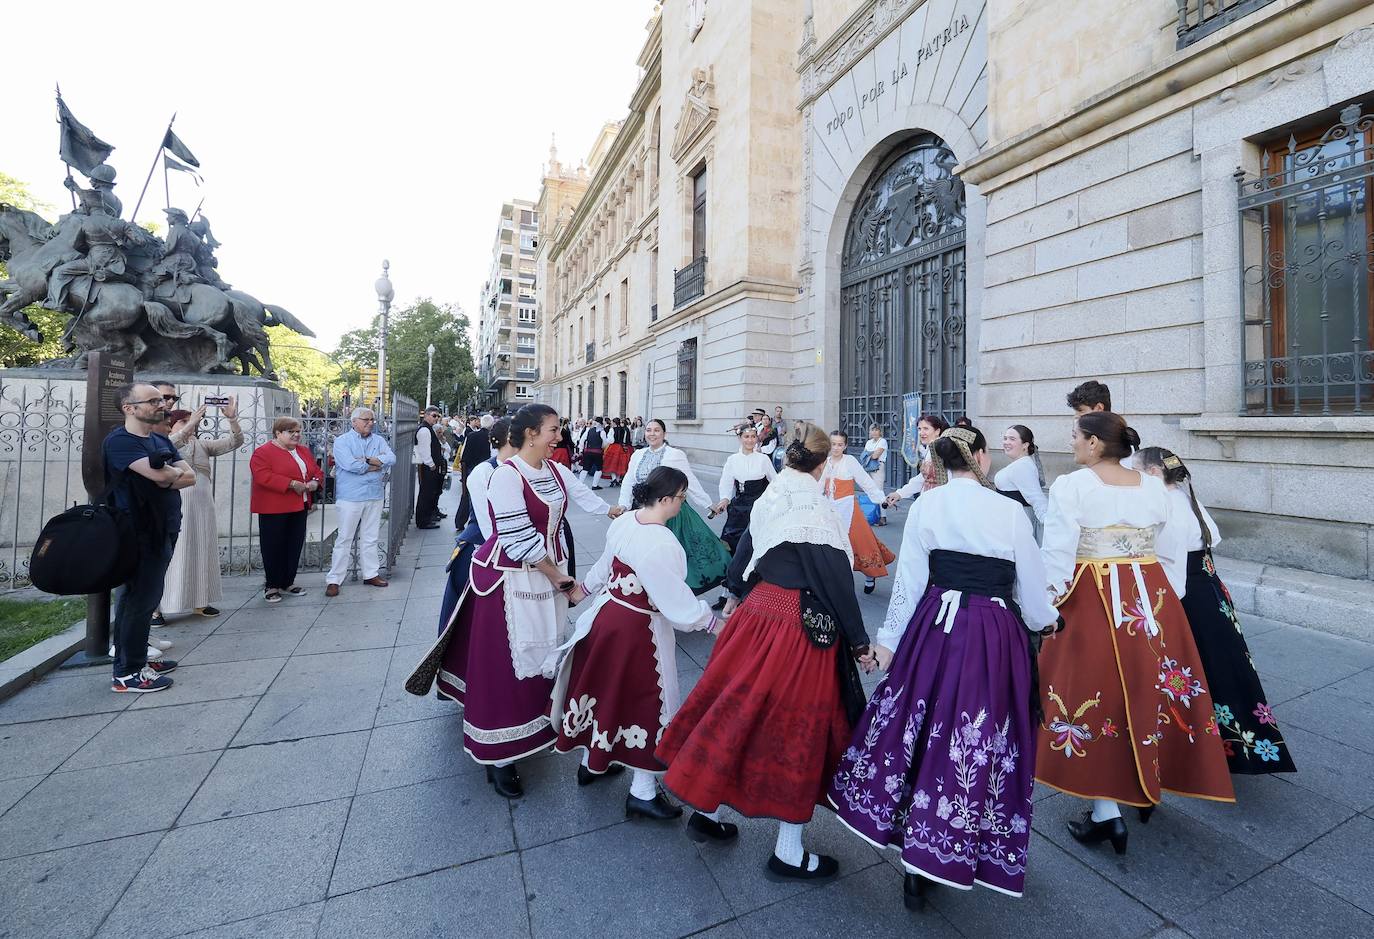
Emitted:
pixel 764 728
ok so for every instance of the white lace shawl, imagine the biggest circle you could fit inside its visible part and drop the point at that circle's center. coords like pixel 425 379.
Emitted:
pixel 794 509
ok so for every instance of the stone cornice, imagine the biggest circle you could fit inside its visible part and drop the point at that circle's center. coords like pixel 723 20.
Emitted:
pixel 861 32
pixel 1243 41
pixel 764 289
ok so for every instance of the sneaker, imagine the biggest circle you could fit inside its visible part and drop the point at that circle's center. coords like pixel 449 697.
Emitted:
pixel 141 683
pixel 272 596
pixel 158 620
pixel 154 653
pixel 208 611
pixel 163 666
pixel 162 645
pixel 295 591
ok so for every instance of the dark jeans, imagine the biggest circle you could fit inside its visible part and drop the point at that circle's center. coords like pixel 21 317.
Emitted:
pixel 135 602
pixel 427 503
pixel 281 536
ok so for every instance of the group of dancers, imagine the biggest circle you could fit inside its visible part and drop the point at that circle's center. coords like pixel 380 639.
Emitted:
pixel 1107 663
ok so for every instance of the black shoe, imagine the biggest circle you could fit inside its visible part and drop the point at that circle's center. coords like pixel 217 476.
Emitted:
pixel 506 781
pixel 701 829
pixel 780 871
pixel 916 892
pixel 1146 812
pixel 869 584
pixel 658 808
pixel 1090 832
pixel 586 777
pixel 427 527
pixel 719 604
pixel 443 515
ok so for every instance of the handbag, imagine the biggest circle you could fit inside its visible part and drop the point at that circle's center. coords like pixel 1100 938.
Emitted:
pixel 870 463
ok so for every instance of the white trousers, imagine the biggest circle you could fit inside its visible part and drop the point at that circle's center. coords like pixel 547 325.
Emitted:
pixel 361 519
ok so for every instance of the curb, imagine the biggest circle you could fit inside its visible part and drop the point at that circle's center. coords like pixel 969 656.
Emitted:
pixel 22 670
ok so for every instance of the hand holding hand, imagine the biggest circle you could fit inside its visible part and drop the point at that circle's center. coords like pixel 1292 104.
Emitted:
pixel 297 486
pixel 720 506
pixel 731 602
pixel 313 485
pixel 576 595
pixel 882 655
pixel 616 511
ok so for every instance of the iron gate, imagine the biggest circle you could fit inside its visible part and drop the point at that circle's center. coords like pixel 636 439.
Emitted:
pixel 902 296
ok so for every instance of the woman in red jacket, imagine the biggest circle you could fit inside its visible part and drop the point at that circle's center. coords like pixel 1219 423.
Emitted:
pixel 285 476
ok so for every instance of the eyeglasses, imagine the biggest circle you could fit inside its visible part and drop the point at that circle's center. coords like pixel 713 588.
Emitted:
pixel 149 401
pixel 172 398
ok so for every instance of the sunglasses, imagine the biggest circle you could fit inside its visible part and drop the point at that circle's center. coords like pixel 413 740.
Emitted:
pixel 172 398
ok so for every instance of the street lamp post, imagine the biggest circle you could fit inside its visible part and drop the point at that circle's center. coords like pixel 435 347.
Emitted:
pixel 385 294
pixel 429 375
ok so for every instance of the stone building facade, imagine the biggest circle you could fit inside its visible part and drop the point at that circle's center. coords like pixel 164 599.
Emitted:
pixel 507 340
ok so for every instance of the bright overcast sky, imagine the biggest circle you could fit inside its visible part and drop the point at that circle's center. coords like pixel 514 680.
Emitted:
pixel 331 136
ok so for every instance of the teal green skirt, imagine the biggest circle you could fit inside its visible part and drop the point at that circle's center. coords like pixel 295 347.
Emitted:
pixel 707 556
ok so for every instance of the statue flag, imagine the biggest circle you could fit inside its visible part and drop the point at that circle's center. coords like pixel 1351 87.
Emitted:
pixel 172 164
pixel 79 147
pixel 172 142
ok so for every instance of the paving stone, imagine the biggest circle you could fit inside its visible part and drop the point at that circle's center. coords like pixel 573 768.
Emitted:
pixel 1280 691
pixel 377 606
pixel 229 870
pixel 730 930
pixel 1270 815
pixel 1331 769
pixel 483 898
pixel 293 715
pixel 738 868
pixel 872 896
pixel 89 805
pixel 269 619
pixel 42 746
pixel 1310 658
pixel 347 636
pixel 64 694
pixel 1279 902
pixel 1331 715
pixel 399 705
pixel 66 893
pixel 300 923
pixel 170 731
pixel 12 790
pixel 270 776
pixel 1173 864
pixel 1063 899
pixel 557 807
pixel 401 754
pixel 1341 862
pixel 196 683
pixel 431 584
pixel 659 884
pixel 1359 686
pixel 418 829
pixel 242 647
pixel 304 673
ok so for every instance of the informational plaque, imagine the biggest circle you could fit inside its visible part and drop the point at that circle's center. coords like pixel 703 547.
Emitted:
pixel 105 375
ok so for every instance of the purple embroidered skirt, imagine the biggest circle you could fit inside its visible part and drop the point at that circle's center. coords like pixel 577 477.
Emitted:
pixel 940 766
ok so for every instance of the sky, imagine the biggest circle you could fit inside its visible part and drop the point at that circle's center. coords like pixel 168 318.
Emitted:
pixel 331 135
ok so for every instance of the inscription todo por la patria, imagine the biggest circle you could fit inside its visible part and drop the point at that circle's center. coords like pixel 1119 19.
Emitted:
pixel 902 71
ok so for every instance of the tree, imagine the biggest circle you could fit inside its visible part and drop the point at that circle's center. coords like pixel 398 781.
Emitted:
pixel 16 350
pixel 411 331
pixel 306 370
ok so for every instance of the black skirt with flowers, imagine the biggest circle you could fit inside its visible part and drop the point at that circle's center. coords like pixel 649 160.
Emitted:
pixel 1248 729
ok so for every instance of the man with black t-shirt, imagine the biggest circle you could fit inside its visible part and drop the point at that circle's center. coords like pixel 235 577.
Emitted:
pixel 431 468
pixel 143 473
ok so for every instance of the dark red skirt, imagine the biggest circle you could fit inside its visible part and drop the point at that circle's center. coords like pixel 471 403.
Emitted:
pixel 616 460
pixel 561 455
pixel 764 728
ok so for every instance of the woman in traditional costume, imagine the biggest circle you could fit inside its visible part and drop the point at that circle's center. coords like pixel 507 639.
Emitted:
pixel 928 428
pixel 497 655
pixel 616 461
pixel 743 479
pixel 769 718
pixel 942 763
pixel 1023 479
pixel 563 448
pixel 841 477
pixel 1249 733
pixel 706 556
pixel 478 528
pixel 617 688
pixel 1127 711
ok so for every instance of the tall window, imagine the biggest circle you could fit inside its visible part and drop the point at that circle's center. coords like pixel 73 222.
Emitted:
pixel 624 394
pixel 687 380
pixel 591 398
pixel 606 393
pixel 606 319
pixel 580 412
pixel 624 304
pixel 1308 253
pixel 699 213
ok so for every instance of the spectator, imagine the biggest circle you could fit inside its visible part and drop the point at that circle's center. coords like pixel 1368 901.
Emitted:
pixel 1090 396
pixel 143 473
pixel 476 451
pixel 429 463
pixel 777 418
pixel 193 578
pixel 875 463
pixel 768 440
pixel 360 460
pixel 284 477
pixel 637 434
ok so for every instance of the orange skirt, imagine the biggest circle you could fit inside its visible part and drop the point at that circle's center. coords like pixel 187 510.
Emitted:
pixel 871 556
pixel 1127 710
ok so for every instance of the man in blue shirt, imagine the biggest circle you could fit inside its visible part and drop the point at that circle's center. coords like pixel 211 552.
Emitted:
pixel 143 476
pixel 361 458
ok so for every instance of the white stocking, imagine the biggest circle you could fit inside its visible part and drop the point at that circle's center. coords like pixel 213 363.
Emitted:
pixel 789 847
pixel 643 785
pixel 1105 809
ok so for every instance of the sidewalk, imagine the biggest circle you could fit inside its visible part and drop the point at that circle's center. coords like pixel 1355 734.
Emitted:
pixel 288 786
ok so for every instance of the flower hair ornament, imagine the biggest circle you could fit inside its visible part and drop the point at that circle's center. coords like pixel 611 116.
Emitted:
pixel 962 438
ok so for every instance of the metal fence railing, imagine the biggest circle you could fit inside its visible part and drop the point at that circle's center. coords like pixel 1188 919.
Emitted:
pixel 404 421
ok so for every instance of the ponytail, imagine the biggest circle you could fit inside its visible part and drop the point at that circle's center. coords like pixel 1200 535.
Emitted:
pixel 1176 473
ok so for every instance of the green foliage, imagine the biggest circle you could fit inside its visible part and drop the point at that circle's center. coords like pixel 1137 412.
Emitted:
pixel 25 623
pixel 306 370
pixel 411 331
pixel 15 349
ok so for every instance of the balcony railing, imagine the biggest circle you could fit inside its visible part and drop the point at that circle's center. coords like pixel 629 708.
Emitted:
pixel 591 352
pixel 527 374
pixel 690 282
pixel 1198 19
pixel 653 313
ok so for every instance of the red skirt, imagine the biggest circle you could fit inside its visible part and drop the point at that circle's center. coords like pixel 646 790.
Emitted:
pixel 561 455
pixel 616 460
pixel 765 726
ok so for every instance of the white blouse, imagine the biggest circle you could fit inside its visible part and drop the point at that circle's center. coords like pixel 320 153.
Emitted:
pixel 518 537
pixel 964 516
pixel 478 479
pixel 1182 517
pixel 660 566
pixel 846 467
pixel 742 468
pixel 1021 475
pixel 671 456
pixel 879 444
pixel 1081 500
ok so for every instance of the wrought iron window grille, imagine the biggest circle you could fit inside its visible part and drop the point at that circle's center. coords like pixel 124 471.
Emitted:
pixel 687 380
pixel 1198 19
pixel 689 283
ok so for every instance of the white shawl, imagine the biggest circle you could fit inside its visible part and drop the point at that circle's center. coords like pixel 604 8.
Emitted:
pixel 794 509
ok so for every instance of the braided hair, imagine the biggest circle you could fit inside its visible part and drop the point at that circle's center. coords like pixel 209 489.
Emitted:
pixel 954 450
pixel 1176 473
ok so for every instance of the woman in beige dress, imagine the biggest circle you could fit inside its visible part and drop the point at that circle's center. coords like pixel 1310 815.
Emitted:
pixel 193 580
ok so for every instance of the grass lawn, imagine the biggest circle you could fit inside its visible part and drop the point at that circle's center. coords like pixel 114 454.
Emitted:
pixel 25 623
